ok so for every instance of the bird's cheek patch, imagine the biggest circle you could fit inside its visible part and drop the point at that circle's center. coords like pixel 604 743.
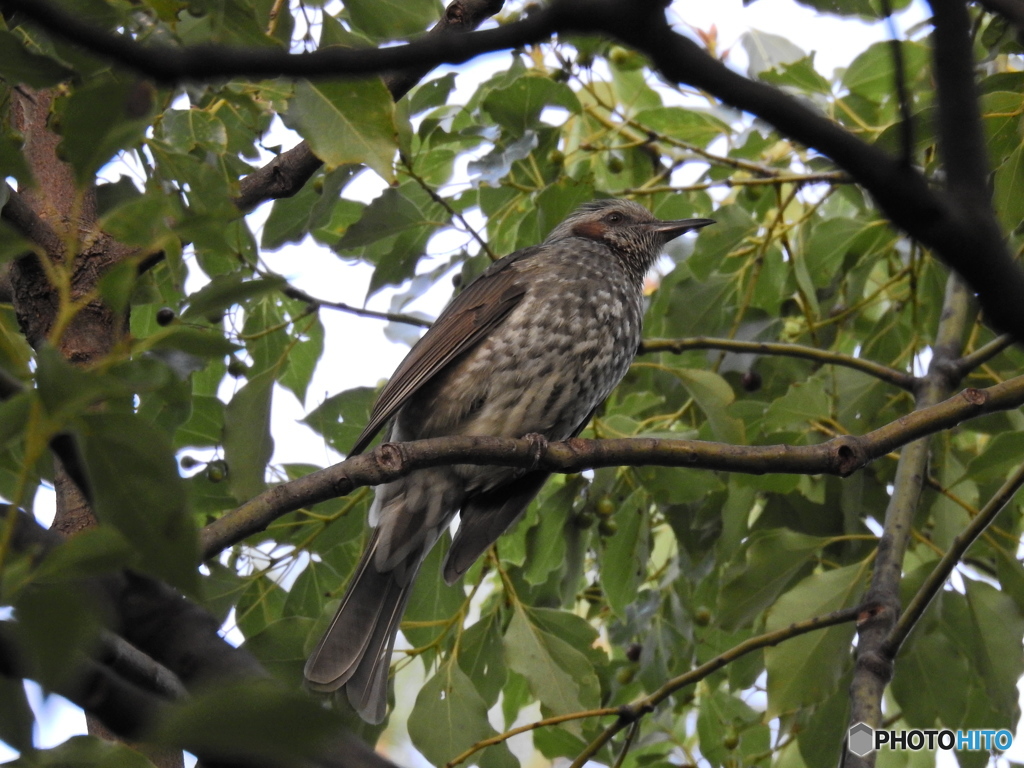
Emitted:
pixel 593 230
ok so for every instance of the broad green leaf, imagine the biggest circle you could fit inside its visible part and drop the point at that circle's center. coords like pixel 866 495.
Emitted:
pixel 248 443
pixel 82 751
pixel 87 554
pixel 16 718
pixel 559 676
pixel 252 721
pixel 690 125
pixel 481 657
pixel 806 669
pixel 996 643
pixel 137 489
pixel 517 106
pixel 20 65
pixel 225 291
pixel 871 74
pixel 303 357
pixel 101 117
pixel 340 418
pixel 392 19
pixel 624 557
pixel 804 402
pixel 1009 179
pixel 347 121
pixel 771 560
pixel 767 51
pixel 924 697
pixel 449 717
pixel 713 394
pixel 433 603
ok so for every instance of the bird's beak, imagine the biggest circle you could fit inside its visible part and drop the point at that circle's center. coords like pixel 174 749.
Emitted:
pixel 670 230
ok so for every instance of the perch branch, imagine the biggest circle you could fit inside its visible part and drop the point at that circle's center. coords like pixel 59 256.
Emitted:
pixel 839 456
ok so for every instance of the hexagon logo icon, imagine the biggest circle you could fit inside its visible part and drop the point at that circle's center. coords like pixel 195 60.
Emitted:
pixel 861 739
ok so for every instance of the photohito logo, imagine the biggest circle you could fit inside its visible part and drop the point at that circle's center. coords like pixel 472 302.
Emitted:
pixel 862 739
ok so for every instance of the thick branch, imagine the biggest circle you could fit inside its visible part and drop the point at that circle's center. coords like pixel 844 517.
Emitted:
pixel 839 456
pixel 961 137
pixel 1011 10
pixel 892 376
pixel 288 172
pixel 874 664
pixel 176 633
pixel 973 246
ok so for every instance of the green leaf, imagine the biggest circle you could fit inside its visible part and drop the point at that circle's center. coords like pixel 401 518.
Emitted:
pixel 449 717
pixel 16 718
pixel 871 74
pixel 771 559
pixel 248 443
pixel 804 402
pixel 925 697
pixel 84 751
pixel 137 489
pixel 767 51
pixel 1009 180
pixel 89 553
pixel 205 425
pixel 559 676
pixel 693 126
pixel 481 657
pixel 303 357
pixel 518 105
pixel 996 643
pixel 806 669
pixel 189 129
pixel 392 19
pixel 624 557
pixel 55 623
pixel 100 118
pixel 225 291
pixel 340 418
pixel 20 65
pixel 253 721
pixel 195 342
pixel 713 394
pixel 347 121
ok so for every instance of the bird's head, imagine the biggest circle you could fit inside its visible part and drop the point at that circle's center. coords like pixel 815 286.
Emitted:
pixel 632 232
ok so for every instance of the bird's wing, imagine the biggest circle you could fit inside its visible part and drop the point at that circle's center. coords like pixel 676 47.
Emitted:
pixel 466 321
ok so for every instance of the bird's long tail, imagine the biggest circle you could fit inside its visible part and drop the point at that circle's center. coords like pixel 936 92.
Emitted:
pixel 355 651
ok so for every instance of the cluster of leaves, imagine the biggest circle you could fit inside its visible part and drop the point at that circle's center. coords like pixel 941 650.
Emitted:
pixel 617 581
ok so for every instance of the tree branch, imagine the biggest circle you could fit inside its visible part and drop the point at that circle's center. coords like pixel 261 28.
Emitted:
pixel 965 237
pixel 892 376
pixel 635 710
pixel 963 541
pixel 839 456
pixel 288 172
pixel 632 712
pixel 1011 10
pixel 176 633
pixel 983 354
pixel 873 668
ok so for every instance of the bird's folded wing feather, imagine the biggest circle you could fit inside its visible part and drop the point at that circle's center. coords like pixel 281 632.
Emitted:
pixel 464 323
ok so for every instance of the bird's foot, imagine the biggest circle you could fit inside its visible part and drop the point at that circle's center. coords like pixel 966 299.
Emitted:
pixel 538 447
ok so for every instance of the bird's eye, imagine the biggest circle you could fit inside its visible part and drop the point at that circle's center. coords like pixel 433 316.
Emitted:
pixel 613 218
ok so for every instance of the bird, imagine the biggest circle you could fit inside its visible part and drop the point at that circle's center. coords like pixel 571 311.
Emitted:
pixel 531 347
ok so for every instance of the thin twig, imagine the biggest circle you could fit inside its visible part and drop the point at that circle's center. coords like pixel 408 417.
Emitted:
pixel 892 376
pixel 632 712
pixel 933 584
pixel 394 317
